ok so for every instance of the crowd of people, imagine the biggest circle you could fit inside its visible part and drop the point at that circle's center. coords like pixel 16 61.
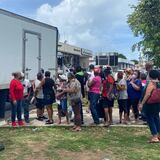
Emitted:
pixel 131 88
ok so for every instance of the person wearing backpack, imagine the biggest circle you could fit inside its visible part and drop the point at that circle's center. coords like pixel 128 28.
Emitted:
pixel 108 96
pixel 150 103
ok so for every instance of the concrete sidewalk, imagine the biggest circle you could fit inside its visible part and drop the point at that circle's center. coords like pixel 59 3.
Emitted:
pixel 87 120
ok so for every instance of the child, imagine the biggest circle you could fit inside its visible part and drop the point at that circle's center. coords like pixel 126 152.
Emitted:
pixel 62 107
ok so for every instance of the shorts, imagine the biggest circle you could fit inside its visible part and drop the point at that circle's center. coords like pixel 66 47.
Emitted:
pixel 63 105
pixel 122 104
pixel 39 103
pixel 106 103
pixel 48 100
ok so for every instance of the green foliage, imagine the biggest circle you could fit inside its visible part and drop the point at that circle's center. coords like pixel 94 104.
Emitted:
pixel 145 22
pixel 122 56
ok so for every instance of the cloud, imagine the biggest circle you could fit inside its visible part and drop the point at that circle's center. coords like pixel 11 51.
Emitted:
pixel 93 24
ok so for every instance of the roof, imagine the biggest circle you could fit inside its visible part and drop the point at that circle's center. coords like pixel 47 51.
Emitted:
pixel 10 14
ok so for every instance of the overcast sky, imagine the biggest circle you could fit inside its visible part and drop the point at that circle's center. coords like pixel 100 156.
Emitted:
pixel 98 25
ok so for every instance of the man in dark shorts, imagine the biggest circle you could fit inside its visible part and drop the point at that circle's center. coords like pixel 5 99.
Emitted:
pixel 39 97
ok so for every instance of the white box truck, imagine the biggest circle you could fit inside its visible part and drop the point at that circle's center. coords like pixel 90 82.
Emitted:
pixel 25 45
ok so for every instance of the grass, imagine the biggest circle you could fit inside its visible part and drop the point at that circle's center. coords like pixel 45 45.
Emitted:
pixel 58 143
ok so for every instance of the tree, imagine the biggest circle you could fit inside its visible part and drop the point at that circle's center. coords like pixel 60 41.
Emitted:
pixel 135 61
pixel 145 22
pixel 122 56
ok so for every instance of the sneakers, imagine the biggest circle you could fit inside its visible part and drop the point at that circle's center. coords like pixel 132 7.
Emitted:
pixel 14 124
pixel 20 123
pixel 43 117
pixel 39 118
pixel 27 121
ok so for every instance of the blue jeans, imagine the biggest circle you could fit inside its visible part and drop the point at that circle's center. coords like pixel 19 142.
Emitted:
pixel 25 106
pixel 63 104
pixel 153 121
pixel 94 97
pixel 16 111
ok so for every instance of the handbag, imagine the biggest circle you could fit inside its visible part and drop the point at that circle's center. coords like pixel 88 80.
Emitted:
pixel 155 96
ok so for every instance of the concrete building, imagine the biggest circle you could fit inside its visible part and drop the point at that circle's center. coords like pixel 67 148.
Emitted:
pixel 111 58
pixel 72 56
pixel 125 63
pixel 107 58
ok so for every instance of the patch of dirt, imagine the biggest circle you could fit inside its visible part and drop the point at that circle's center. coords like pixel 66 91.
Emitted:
pixel 86 155
pixel 37 150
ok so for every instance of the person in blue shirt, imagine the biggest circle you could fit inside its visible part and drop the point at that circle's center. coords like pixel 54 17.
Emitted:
pixel 134 88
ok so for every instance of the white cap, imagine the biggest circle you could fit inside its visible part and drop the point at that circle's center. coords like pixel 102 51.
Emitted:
pixel 22 74
pixel 63 77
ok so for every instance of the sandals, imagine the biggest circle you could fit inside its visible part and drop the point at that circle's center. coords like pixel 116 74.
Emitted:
pixel 154 140
pixel 76 129
pixel 49 122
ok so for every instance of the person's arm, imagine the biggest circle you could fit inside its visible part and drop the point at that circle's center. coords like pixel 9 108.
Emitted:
pixel 111 84
pixel 91 82
pixel 110 89
pixel 148 92
pixel 12 86
pixel 39 87
pixel 135 86
pixel 121 87
pixel 33 86
pixel 60 94
pixel 54 85
pixel 70 90
pixel 29 89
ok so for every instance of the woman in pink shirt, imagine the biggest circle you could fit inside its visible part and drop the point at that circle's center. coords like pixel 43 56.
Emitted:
pixel 94 93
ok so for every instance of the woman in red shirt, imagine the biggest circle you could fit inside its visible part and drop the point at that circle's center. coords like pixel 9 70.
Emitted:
pixel 16 97
pixel 108 97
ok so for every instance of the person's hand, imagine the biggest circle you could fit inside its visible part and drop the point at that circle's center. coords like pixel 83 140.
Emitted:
pixel 14 102
pixel 65 90
pixel 140 106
